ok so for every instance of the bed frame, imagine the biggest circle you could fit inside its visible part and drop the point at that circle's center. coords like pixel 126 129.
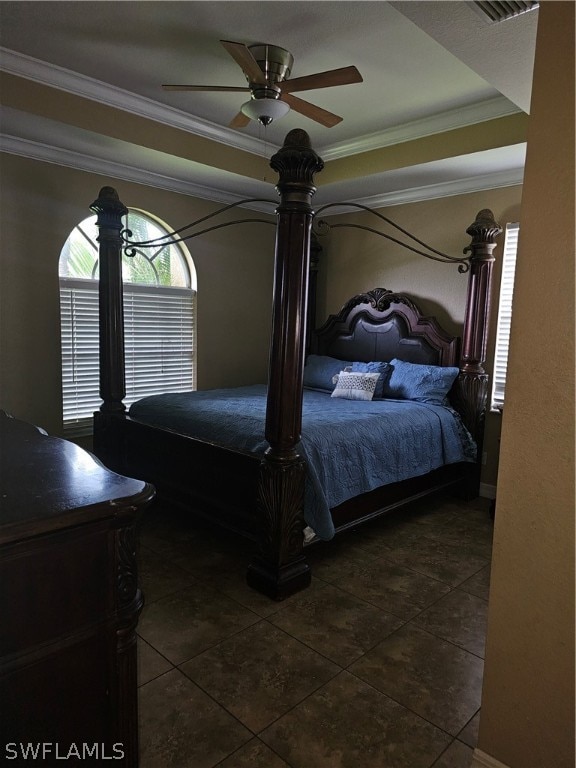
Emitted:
pixel 263 497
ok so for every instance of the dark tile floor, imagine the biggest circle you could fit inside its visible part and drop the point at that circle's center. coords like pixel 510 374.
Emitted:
pixel 377 665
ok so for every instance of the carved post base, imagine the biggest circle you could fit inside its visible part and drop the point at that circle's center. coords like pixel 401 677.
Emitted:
pixel 280 568
pixel 126 699
pixel 129 605
pixel 472 398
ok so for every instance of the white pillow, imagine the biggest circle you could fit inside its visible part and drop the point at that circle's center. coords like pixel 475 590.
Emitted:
pixel 344 370
pixel 356 386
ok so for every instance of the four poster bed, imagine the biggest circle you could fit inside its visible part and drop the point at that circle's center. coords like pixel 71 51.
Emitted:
pixel 284 467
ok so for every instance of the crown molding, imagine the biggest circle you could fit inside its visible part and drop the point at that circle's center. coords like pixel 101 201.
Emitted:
pixel 88 88
pixel 104 167
pixel 496 180
pixel 66 80
pixel 34 150
pixel 428 126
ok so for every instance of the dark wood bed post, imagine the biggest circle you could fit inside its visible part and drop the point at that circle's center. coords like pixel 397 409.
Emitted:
pixel 279 568
pixel 315 254
pixel 109 212
pixel 472 383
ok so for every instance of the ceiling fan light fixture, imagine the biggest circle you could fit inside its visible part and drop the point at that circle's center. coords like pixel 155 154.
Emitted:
pixel 265 110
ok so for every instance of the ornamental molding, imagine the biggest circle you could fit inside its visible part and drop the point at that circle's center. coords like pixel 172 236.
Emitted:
pixel 88 88
pixel 119 171
pixel 491 109
pixel 115 170
pixel 74 83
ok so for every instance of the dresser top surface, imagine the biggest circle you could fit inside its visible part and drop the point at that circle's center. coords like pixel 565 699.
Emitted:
pixel 47 482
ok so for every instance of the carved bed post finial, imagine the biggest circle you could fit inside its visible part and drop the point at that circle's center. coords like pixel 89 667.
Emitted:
pixel 472 384
pixel 280 568
pixel 483 231
pixel 109 211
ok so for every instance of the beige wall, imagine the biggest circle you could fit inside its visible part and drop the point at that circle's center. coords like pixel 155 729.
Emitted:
pixel 527 718
pixel 41 204
pixel 354 261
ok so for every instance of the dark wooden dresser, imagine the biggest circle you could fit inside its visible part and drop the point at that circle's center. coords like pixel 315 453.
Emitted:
pixel 69 603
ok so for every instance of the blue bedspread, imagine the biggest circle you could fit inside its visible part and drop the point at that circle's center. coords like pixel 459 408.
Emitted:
pixel 350 447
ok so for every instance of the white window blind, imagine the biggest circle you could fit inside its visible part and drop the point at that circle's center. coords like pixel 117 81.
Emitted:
pixel 158 327
pixel 504 315
pixel 80 371
pixel 159 345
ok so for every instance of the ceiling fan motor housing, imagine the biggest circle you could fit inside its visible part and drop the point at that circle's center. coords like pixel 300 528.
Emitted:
pixel 276 64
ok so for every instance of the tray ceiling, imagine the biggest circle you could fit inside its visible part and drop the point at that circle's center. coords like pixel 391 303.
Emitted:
pixel 81 86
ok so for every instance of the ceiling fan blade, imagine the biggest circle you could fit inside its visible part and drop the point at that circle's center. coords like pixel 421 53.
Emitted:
pixel 204 88
pixel 343 76
pixel 243 57
pixel 328 119
pixel 240 121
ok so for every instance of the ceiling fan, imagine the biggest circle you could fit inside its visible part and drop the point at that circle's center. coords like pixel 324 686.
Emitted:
pixel 267 69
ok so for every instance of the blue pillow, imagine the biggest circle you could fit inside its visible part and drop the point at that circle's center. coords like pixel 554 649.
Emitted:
pixel 423 383
pixel 320 370
pixel 383 369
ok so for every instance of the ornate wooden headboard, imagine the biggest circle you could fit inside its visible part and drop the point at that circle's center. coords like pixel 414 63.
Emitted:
pixel 382 325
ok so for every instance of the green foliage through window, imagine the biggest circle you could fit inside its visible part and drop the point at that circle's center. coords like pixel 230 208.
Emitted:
pixel 164 265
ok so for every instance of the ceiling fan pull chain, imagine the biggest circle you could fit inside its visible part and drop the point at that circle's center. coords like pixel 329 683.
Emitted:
pixel 263 136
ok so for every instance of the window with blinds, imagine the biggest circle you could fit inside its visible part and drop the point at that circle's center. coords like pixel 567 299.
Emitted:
pixel 504 316
pixel 159 321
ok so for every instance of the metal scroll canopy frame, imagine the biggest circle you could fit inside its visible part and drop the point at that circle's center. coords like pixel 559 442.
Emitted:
pixel 177 236
pixel 320 228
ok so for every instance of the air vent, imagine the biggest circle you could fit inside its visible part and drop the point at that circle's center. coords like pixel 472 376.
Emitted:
pixel 500 11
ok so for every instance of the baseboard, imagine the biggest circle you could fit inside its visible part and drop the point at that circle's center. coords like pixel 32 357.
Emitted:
pixel 482 760
pixel 487 491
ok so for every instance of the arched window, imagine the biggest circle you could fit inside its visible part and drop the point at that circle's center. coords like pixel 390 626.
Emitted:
pixel 159 319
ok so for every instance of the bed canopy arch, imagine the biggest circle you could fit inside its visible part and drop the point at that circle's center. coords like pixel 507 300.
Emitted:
pixel 280 567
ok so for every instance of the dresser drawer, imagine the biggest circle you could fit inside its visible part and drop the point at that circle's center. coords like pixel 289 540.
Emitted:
pixel 53 586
